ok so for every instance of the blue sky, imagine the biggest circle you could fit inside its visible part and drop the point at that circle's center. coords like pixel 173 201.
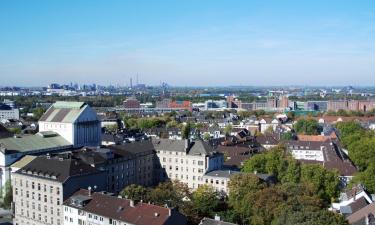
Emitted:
pixel 192 42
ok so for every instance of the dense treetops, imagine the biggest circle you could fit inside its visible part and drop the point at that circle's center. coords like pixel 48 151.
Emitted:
pixel 307 126
pixel 360 144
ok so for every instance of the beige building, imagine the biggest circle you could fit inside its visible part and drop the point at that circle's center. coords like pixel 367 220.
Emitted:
pixel 186 161
pixel 40 187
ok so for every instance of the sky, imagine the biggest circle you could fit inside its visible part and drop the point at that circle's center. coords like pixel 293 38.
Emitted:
pixel 187 42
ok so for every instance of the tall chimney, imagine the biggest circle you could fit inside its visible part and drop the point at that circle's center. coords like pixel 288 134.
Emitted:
pixel 187 144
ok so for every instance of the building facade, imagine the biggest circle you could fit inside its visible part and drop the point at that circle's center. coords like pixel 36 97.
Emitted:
pixel 40 188
pixel 77 122
pixel 186 161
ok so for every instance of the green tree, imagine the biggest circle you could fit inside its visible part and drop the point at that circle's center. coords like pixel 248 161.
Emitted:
pixel 173 194
pixel 326 182
pixel 205 201
pixel 186 131
pixel 8 197
pixel 366 178
pixel 307 126
pixel 228 129
pixel 287 136
pixel 309 215
pixel 38 112
pixel 112 128
pixel 135 192
pixel 206 136
pixel 15 130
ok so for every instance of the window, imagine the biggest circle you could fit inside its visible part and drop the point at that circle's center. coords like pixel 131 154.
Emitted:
pixel 200 163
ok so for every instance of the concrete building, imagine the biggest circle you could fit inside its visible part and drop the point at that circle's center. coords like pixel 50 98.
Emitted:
pixel 65 125
pixel 77 122
pixel 86 208
pixel 186 161
pixel 216 104
pixel 8 113
pixel 14 148
pixel 40 188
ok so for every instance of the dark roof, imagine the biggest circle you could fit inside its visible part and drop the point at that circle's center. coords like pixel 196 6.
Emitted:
pixel 235 155
pixel 122 209
pixel 358 204
pixel 194 148
pixel 134 148
pixel 4 133
pixel 58 168
pixel 267 139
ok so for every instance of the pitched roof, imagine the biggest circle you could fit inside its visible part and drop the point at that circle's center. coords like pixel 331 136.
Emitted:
pixel 320 138
pixel 208 221
pixel 360 215
pixel 195 147
pixel 63 112
pixel 58 168
pixel 122 209
pixel 23 161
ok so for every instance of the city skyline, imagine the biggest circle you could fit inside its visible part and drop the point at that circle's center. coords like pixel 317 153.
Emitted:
pixel 194 43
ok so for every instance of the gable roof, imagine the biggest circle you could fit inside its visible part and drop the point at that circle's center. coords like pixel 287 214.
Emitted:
pixel 58 168
pixel 359 217
pixel 195 147
pixel 63 112
pixel 123 210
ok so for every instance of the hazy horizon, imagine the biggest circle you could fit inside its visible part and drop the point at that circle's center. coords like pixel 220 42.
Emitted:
pixel 190 43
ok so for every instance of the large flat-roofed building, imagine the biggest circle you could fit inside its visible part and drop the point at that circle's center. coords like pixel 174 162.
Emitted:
pixel 14 148
pixel 186 161
pixel 41 186
pixel 8 113
pixel 77 122
pixel 85 208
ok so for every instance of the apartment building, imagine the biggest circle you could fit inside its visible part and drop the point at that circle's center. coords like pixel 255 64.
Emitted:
pixel 99 208
pixel 40 187
pixel 185 160
pixel 303 150
pixel 8 113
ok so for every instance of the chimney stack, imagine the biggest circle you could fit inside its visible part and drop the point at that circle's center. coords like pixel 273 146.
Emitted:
pixel 132 203
pixel 187 144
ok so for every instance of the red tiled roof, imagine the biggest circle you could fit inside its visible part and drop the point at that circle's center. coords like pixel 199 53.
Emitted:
pixel 121 209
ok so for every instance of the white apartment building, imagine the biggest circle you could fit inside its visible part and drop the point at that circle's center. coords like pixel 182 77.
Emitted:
pixel 186 161
pixel 306 150
pixel 77 122
pixel 219 179
pixel 40 187
pixel 8 113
